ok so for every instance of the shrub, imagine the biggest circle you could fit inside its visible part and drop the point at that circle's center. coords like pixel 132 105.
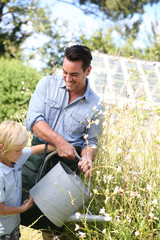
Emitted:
pixel 17 81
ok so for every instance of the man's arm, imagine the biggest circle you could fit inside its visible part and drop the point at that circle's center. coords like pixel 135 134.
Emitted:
pixel 42 130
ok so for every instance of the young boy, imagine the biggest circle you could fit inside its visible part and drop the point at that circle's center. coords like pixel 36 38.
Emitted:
pixel 13 154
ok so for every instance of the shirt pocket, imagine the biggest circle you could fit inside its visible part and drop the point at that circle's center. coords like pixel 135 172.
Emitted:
pixel 52 109
pixel 75 125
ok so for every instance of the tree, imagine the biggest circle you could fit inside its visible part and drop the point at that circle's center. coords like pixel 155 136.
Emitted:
pixel 119 12
pixel 21 20
pixel 113 10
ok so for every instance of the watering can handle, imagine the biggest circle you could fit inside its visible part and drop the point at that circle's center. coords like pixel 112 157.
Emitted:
pixel 45 161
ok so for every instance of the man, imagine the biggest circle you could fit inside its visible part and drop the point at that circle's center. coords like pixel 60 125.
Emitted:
pixel 66 113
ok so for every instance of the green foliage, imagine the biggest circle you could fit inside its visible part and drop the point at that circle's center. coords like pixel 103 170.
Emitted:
pixel 99 41
pixel 17 82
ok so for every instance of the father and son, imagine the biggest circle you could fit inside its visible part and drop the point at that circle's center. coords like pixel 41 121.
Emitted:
pixel 64 115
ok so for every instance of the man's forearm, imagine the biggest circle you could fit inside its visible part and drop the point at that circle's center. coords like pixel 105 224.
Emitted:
pixel 43 131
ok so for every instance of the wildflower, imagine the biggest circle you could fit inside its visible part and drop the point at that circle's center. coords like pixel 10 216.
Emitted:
pixel 129 219
pixel 95 191
pixel 118 218
pixel 55 238
pixel 104 124
pixel 77 227
pixel 107 217
pixel 104 231
pixel 98 172
pixel 106 199
pixel 151 215
pixel 22 82
pixel 137 233
pixel 77 214
pixel 97 121
pixel 155 201
pixel 102 211
pixel 132 194
pixel 116 189
pixel 119 169
pixel 82 234
pixel 104 178
pixel 119 150
pixel 22 92
pixel 149 188
pixel 95 108
pixel 85 136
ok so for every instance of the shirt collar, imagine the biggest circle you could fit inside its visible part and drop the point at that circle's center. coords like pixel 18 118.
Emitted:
pixel 87 92
pixel 5 168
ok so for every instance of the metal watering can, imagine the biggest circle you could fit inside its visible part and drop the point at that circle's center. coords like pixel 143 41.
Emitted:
pixel 60 194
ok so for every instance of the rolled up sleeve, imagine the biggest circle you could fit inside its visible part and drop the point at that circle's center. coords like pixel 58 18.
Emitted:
pixel 37 105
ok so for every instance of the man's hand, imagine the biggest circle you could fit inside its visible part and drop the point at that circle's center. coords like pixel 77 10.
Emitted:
pixel 65 149
pixel 86 167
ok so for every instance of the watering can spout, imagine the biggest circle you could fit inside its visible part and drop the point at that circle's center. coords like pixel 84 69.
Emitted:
pixel 87 217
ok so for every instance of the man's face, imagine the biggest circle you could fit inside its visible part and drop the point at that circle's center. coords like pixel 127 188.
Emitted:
pixel 74 76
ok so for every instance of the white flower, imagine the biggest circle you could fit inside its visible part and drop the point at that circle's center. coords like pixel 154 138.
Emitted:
pixel 95 191
pixel 107 217
pixel 129 219
pixel 104 124
pixel 119 150
pixel 22 82
pixel 82 234
pixel 55 238
pixel 116 189
pixel 102 211
pixel 149 188
pixel 95 108
pixel 97 121
pixel 85 136
pixel 155 201
pixel 151 215
pixel 106 199
pixel 98 172
pixel 22 92
pixel 137 233
pixel 77 227
pixel 77 215
pixel 104 178
pixel 104 231
pixel 119 169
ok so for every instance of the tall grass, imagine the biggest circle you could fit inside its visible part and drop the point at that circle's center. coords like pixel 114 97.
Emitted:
pixel 126 178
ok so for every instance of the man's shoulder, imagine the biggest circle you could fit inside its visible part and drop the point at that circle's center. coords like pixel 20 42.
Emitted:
pixel 53 78
pixel 50 81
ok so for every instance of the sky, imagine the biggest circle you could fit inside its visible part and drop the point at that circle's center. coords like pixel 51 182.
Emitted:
pixel 77 21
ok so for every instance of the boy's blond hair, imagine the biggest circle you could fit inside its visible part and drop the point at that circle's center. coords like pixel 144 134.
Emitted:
pixel 12 135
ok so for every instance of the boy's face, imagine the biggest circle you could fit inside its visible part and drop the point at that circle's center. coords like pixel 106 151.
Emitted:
pixel 13 155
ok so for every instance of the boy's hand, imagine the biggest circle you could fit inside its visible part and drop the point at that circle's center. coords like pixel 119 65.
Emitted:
pixel 28 203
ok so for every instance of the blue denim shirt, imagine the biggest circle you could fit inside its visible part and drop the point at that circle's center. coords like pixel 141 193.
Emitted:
pixel 78 122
